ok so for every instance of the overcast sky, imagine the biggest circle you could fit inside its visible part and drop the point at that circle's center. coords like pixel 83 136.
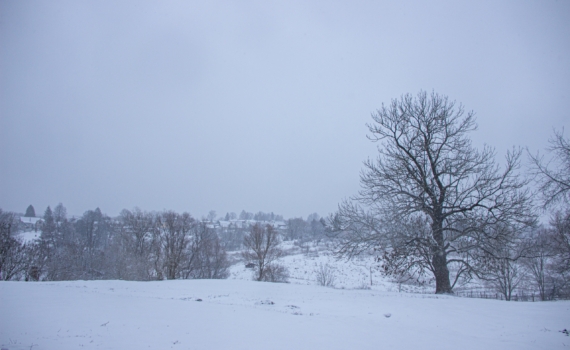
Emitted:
pixel 255 105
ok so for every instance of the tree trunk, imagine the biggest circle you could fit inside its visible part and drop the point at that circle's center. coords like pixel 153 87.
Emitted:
pixel 439 260
pixel 171 271
pixel 261 271
pixel 442 283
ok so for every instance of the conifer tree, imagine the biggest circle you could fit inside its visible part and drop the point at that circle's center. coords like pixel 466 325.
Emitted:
pixel 30 212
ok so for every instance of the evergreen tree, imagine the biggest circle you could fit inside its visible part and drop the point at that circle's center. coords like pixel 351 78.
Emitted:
pixel 30 212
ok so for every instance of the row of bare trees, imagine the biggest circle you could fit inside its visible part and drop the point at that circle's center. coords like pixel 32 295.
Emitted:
pixel 168 245
pixel 137 245
pixel 534 264
pixel 432 206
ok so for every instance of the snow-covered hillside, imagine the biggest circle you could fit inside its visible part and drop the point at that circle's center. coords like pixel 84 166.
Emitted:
pixel 29 236
pixel 358 273
pixel 238 314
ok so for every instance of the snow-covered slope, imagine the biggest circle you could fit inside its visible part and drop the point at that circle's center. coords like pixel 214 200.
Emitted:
pixel 357 273
pixel 29 236
pixel 238 314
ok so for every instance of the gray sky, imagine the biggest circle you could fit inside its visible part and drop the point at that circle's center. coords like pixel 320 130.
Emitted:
pixel 255 105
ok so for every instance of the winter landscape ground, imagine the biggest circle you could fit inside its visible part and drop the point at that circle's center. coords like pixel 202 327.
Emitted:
pixel 239 313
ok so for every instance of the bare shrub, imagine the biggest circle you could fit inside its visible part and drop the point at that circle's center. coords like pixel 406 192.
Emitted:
pixel 364 286
pixel 325 275
pixel 276 273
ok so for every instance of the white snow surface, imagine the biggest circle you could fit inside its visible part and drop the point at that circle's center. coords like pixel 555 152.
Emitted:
pixel 358 273
pixel 243 314
pixel 29 236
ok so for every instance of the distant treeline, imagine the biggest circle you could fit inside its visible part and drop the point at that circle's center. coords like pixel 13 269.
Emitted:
pixel 136 245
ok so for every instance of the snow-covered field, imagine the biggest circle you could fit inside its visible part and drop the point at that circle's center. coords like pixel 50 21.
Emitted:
pixel 29 236
pixel 240 314
pixel 360 272
pixel 363 311
pixel 353 274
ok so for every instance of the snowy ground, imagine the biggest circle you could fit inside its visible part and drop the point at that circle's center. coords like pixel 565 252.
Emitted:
pixel 238 314
pixel 363 311
pixel 29 236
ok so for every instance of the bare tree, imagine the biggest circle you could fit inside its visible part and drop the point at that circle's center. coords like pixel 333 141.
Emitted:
pixel 206 258
pixel 59 213
pixel 175 238
pixel 93 231
pixel 156 255
pixel 136 232
pixel 317 230
pixel 138 228
pixel 212 261
pixel 262 248
pixel 560 224
pixel 296 228
pixel 504 274
pixel 539 261
pixel 553 175
pixel 500 259
pixel 429 179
